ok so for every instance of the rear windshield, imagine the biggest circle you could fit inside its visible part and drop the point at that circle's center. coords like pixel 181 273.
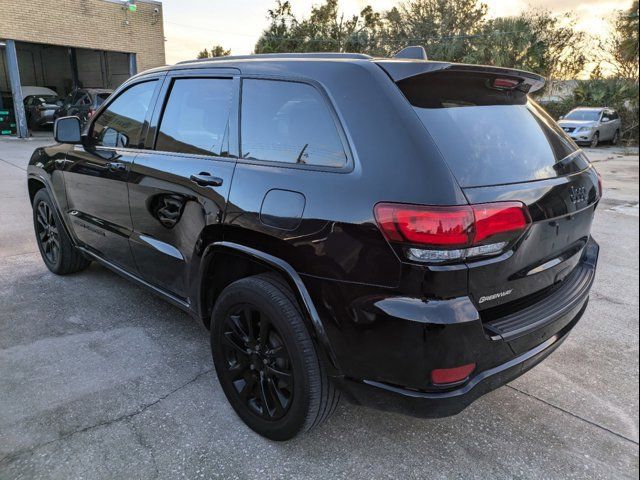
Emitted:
pixel 487 135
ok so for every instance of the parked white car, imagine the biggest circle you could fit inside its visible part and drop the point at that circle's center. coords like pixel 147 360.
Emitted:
pixel 40 104
pixel 592 125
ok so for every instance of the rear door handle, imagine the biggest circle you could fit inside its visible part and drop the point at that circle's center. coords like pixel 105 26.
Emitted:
pixel 205 179
pixel 116 167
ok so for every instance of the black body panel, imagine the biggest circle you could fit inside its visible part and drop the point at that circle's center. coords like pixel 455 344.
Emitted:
pixel 98 201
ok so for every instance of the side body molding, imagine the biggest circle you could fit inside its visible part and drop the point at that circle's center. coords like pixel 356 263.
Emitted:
pixel 292 278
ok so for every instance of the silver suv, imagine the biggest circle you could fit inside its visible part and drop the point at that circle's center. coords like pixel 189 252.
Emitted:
pixel 592 125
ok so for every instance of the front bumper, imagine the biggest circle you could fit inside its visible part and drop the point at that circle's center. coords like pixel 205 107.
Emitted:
pixel 582 137
pixel 44 120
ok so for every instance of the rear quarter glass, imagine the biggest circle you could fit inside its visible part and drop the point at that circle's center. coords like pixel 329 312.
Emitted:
pixel 488 135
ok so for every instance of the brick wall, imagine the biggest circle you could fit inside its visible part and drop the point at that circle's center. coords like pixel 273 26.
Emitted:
pixel 94 24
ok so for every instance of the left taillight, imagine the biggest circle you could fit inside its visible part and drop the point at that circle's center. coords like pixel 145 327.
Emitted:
pixel 435 233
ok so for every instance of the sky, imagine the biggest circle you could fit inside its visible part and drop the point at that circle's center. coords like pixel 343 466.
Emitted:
pixel 191 25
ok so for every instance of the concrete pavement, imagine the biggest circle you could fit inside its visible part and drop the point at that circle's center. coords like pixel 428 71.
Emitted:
pixel 100 379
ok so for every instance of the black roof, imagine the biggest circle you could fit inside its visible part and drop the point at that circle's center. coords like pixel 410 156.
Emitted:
pixel 398 68
pixel 283 56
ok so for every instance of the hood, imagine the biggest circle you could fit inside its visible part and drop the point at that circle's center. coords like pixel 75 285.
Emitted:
pixel 577 123
pixel 27 91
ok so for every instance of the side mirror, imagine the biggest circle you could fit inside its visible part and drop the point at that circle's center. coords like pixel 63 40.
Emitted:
pixel 605 119
pixel 560 117
pixel 67 130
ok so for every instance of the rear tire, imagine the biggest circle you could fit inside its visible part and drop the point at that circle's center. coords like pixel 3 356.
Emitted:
pixel 616 138
pixel 58 252
pixel 266 360
pixel 595 140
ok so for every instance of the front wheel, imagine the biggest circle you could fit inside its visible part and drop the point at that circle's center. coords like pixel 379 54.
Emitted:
pixel 266 360
pixel 595 140
pixel 56 248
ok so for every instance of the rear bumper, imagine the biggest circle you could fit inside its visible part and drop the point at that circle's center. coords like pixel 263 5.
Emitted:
pixel 442 404
pixel 386 344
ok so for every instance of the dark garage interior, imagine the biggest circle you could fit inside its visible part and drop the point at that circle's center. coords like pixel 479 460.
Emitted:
pixel 59 68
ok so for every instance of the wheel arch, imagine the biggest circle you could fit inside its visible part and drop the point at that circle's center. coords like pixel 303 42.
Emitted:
pixel 34 184
pixel 225 262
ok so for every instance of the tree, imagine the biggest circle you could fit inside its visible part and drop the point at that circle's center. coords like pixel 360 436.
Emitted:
pixel 450 30
pixel 216 51
pixel 446 28
pixel 535 41
pixel 621 47
pixel 326 30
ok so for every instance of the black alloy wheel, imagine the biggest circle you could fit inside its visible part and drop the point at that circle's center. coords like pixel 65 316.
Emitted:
pixel 47 233
pixel 258 363
pixel 57 250
pixel 266 359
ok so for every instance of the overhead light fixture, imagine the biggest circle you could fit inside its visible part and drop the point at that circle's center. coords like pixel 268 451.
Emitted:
pixel 130 5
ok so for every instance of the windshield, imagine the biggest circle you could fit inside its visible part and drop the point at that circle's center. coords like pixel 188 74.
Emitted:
pixel 489 136
pixel 46 99
pixel 588 115
pixel 101 97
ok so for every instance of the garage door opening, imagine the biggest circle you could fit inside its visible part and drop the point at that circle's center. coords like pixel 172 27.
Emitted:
pixel 57 68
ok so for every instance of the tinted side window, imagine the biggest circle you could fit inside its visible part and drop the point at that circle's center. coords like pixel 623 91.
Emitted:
pixel 196 117
pixel 121 123
pixel 288 122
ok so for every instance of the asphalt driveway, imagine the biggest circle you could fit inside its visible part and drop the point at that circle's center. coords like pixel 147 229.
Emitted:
pixel 100 379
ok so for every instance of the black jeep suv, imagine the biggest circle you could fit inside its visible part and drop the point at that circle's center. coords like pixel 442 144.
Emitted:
pixel 406 233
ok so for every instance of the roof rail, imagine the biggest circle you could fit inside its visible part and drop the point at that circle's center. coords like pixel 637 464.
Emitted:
pixel 280 55
pixel 415 52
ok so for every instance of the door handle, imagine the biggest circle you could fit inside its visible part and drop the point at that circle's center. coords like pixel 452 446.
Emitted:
pixel 205 179
pixel 116 167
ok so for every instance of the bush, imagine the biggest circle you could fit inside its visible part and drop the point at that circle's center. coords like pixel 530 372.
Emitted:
pixel 617 93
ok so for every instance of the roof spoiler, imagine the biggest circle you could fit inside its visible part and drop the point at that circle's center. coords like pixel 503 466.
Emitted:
pixel 399 69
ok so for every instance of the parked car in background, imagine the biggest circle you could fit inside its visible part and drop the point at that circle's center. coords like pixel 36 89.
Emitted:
pixel 83 103
pixel 410 234
pixel 592 125
pixel 40 105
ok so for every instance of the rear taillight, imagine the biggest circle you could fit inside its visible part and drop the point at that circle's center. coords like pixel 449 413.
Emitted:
pixel 435 233
pixel 91 112
pixel 439 226
pixel 494 220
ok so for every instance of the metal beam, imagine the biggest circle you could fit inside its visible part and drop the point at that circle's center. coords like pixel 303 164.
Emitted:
pixel 133 64
pixel 16 89
pixel 73 60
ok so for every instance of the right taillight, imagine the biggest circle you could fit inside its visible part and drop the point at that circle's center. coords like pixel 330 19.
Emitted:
pixel 435 233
